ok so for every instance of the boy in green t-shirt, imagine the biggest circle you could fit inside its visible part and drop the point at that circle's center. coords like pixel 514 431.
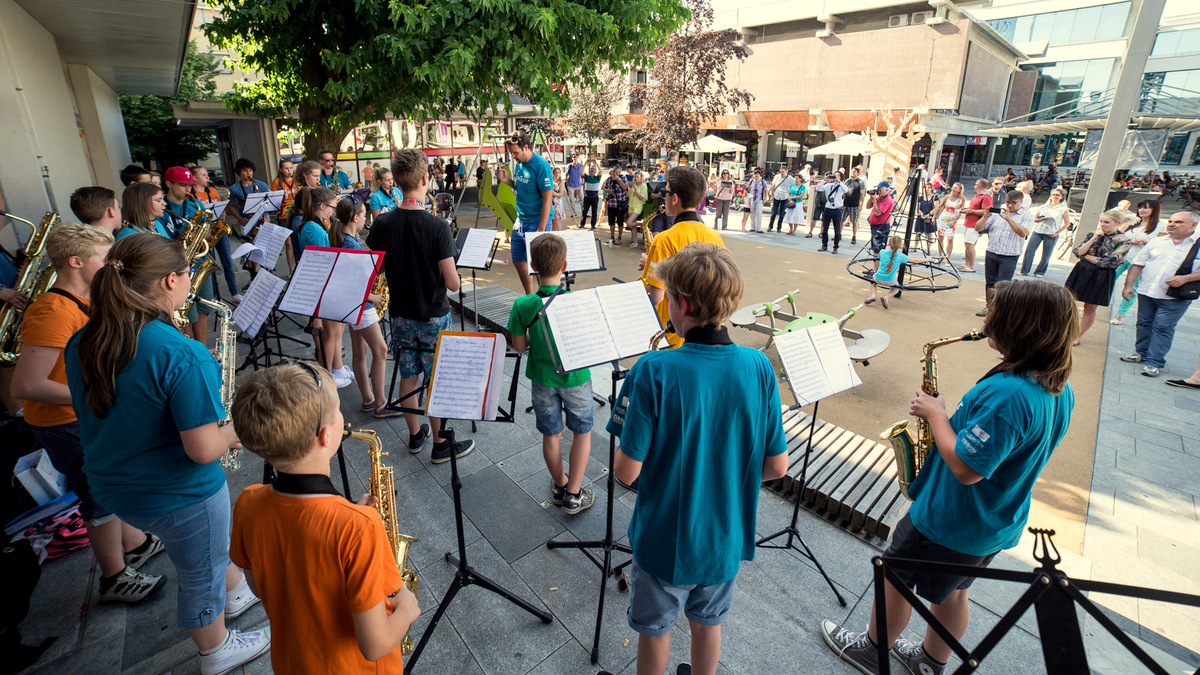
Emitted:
pixel 553 393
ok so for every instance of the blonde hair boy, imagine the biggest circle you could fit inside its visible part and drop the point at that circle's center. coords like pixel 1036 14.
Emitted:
pixel 69 240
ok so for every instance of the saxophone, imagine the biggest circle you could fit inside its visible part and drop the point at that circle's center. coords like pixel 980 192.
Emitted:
pixel 382 487
pixel 381 289
pixel 199 237
pixel 31 282
pixel 910 452
pixel 227 355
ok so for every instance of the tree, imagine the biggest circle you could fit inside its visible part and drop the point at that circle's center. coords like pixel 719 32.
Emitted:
pixel 337 64
pixel 154 134
pixel 590 116
pixel 686 87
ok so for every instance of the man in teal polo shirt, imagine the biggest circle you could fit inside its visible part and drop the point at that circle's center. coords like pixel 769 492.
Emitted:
pixel 701 427
pixel 534 186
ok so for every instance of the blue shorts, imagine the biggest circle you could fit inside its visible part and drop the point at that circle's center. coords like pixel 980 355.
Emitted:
pixel 408 333
pixel 654 605
pixel 520 252
pixel 196 537
pixel 550 402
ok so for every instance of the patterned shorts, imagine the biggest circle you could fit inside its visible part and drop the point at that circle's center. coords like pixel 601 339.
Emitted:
pixel 407 334
pixel 850 215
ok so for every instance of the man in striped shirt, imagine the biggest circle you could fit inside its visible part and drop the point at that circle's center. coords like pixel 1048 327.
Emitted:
pixel 1006 228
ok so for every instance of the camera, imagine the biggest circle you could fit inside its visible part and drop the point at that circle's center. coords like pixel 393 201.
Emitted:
pixel 873 191
pixel 995 209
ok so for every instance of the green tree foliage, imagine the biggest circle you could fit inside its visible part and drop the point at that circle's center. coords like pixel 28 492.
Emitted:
pixel 154 135
pixel 340 63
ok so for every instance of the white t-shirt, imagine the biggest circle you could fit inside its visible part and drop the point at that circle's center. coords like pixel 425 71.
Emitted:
pixel 1160 259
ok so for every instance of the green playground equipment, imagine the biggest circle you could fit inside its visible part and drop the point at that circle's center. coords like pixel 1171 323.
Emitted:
pixel 502 204
pixel 863 345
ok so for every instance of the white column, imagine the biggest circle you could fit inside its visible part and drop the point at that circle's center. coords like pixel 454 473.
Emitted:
pixel 1137 49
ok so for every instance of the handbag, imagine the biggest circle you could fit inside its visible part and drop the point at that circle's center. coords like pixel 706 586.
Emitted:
pixel 1190 290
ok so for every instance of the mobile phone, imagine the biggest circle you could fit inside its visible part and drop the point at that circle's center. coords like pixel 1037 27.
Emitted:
pixel 994 209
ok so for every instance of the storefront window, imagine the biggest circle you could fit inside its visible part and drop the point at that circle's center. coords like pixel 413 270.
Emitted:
pixel 1176 43
pixel 1072 26
pixel 1195 159
pixel 1173 152
pixel 1063 88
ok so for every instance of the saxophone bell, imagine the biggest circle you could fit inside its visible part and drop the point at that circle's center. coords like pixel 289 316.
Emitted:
pixel 658 337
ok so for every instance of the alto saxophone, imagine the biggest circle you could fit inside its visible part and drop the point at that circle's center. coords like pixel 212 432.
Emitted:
pixel 199 239
pixel 381 289
pixel 382 487
pixel 31 282
pixel 911 452
pixel 227 355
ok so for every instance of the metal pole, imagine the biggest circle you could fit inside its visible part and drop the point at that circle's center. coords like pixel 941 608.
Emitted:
pixel 1129 86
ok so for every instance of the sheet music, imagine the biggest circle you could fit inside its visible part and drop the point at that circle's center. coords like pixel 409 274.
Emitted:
pixel 274 200
pixel 477 246
pixel 269 244
pixel 252 222
pixel 632 320
pixel 255 202
pixel 582 255
pixel 256 304
pixel 461 375
pixel 218 208
pixel 243 250
pixel 308 282
pixel 581 332
pixel 816 362
pixel 349 283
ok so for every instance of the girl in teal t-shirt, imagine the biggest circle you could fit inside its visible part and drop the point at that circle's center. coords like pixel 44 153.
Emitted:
pixel 888 268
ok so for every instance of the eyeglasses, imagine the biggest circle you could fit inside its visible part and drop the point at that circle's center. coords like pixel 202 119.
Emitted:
pixel 327 160
pixel 320 396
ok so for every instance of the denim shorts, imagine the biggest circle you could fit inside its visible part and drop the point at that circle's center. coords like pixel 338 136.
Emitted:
pixel 66 452
pixel 550 402
pixel 654 605
pixel 411 333
pixel 879 237
pixel 908 542
pixel 196 537
pixel 520 251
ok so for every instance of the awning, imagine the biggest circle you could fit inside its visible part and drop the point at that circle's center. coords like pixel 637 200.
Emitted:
pixel 1079 125
pixel 861 120
pixel 788 120
pixel 713 144
pixel 135 46
pixel 846 146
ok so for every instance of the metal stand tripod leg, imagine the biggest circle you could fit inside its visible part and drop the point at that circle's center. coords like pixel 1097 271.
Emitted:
pixel 793 535
pixel 465 575
pixel 607 542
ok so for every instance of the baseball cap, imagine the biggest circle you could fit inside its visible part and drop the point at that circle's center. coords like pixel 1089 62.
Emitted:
pixel 179 174
pixel 883 184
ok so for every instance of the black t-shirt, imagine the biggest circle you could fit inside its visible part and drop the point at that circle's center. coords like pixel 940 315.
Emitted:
pixel 854 188
pixel 412 243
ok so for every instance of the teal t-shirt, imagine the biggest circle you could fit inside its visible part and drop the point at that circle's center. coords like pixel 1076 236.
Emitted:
pixel 540 367
pixel 385 202
pixel 701 418
pixel 532 179
pixel 310 234
pixel 1007 428
pixel 885 257
pixel 342 182
pixel 134 457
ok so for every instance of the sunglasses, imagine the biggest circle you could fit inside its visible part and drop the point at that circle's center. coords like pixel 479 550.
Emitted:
pixel 327 160
pixel 320 397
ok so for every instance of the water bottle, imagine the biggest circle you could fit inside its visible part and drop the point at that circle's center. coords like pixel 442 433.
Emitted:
pixel 610 242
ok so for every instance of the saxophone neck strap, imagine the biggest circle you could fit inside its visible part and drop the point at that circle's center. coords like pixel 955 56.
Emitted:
pixel 79 303
pixel 994 371
pixel 304 484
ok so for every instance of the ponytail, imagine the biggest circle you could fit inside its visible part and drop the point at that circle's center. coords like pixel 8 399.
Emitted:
pixel 894 245
pixel 122 303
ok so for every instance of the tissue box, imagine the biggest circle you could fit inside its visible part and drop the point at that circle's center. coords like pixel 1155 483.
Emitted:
pixel 37 473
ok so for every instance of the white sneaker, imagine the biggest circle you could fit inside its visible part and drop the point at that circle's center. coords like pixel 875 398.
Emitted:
pixel 341 380
pixel 238 648
pixel 236 298
pixel 239 600
pixel 345 371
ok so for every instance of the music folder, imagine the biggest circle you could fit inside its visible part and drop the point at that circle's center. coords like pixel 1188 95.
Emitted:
pixel 600 325
pixel 467 377
pixel 475 248
pixel 816 362
pixel 583 253
pixel 332 283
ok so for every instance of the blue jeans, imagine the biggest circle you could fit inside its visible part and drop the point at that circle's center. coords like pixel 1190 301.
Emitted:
pixel 654 604
pixel 1156 321
pixel 227 266
pixel 1046 242
pixel 778 209
pixel 549 404
pixel 196 537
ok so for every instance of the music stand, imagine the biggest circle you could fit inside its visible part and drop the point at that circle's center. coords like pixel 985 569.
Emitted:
pixel 607 544
pixel 817 362
pixel 464 575
pixel 473 262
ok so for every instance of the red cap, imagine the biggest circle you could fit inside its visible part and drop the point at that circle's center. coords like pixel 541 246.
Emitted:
pixel 179 174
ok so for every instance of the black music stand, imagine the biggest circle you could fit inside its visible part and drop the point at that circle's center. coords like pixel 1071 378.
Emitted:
pixel 465 575
pixel 793 534
pixel 607 544
pixel 463 235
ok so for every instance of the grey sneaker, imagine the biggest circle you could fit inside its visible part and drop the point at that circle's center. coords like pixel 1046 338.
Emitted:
pixel 1150 371
pixel 1132 358
pixel 557 493
pixel 913 656
pixel 129 586
pixel 239 647
pixel 854 648
pixel 982 312
pixel 138 557
pixel 441 451
pixel 574 503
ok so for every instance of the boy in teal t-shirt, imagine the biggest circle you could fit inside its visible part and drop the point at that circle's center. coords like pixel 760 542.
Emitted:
pixel 701 428
pixel 554 394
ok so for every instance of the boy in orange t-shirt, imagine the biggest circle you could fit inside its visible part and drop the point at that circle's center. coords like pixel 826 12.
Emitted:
pixel 322 566
pixel 40 379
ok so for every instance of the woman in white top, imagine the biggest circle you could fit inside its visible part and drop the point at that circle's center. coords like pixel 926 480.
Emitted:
pixel 946 216
pixel 1049 221
pixel 1148 226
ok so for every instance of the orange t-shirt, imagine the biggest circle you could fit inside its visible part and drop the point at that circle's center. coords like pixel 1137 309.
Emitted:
pixel 316 562
pixel 289 191
pixel 49 322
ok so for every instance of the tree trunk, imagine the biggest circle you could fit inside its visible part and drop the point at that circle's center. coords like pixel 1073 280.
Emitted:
pixel 324 138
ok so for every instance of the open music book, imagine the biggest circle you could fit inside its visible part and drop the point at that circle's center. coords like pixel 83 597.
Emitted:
pixel 468 374
pixel 601 324
pixel 476 247
pixel 256 306
pixel 332 283
pixel 816 362
pixel 582 254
